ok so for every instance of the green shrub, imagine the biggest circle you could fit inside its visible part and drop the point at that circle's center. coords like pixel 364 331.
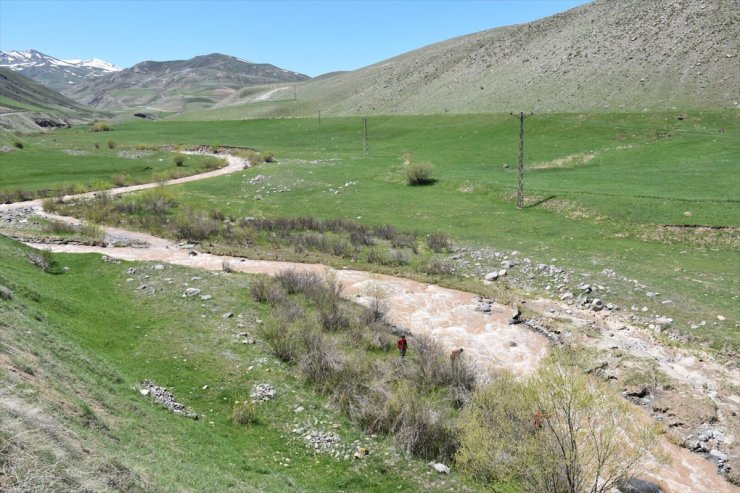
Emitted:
pixel 179 159
pixel 120 180
pixel 211 163
pixel 18 144
pixel 571 432
pixel 111 144
pixel 419 173
pixel 195 226
pixel 100 127
pixel 245 412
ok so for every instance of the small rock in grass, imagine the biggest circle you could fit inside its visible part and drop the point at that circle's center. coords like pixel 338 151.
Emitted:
pixel 6 293
pixel 191 292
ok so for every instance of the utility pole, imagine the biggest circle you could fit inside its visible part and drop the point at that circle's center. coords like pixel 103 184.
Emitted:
pixel 520 169
pixel 365 122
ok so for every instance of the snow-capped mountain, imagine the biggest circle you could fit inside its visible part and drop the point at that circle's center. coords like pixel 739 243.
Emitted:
pixel 55 73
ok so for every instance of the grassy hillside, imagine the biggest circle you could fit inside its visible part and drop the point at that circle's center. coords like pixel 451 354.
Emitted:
pixel 651 197
pixel 608 55
pixel 19 93
pixel 75 347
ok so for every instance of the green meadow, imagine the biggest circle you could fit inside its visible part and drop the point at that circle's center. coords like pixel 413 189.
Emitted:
pixel 653 197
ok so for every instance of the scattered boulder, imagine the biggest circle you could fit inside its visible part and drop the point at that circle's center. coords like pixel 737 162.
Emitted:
pixel 636 391
pixel 263 392
pixel 635 485
pixel 597 305
pixel 6 293
pixel 441 468
pixel 491 276
pixel 190 292
pixel 164 398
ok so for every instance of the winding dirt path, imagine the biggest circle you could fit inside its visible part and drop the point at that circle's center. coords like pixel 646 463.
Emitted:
pixel 448 315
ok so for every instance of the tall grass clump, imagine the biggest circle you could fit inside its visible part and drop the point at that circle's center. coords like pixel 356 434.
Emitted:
pixel 245 412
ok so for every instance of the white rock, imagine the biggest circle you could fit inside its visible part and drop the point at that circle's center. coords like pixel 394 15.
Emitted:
pixel 192 292
pixel 441 468
pixel 721 318
pixel 491 276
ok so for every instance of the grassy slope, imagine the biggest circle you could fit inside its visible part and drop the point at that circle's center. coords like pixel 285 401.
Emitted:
pixel 647 170
pixel 73 346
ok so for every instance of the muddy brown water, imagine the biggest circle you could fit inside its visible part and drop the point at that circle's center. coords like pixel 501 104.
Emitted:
pixel 447 315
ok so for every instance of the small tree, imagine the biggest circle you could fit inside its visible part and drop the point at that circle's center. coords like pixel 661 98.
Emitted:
pixel 559 431
pixel 179 160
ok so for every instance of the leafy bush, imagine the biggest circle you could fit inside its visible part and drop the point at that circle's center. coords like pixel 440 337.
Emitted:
pixel 111 144
pixel 419 174
pixel 18 144
pixel 120 180
pixel 179 159
pixel 100 127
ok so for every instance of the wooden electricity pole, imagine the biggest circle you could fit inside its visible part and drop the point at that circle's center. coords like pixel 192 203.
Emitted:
pixel 520 168
pixel 365 141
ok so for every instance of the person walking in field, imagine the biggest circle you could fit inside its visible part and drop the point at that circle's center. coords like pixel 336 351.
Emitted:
pixel 402 345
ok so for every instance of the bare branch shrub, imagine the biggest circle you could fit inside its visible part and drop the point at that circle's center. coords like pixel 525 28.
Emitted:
pixel 439 242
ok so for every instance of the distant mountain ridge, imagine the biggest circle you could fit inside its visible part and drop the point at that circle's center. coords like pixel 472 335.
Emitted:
pixel 173 86
pixel 28 105
pixel 54 72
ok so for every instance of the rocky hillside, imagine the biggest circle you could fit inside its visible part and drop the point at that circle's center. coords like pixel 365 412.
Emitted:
pixel 53 72
pixel 28 105
pixel 609 55
pixel 178 85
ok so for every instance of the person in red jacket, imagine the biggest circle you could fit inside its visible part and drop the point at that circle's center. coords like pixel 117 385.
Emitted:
pixel 402 345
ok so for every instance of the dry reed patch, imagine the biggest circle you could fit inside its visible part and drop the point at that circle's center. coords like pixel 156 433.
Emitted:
pixel 570 161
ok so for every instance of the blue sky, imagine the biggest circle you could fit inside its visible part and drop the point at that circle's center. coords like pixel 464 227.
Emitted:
pixel 311 37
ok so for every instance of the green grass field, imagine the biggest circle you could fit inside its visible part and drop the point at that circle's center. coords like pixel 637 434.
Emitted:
pixel 604 191
pixel 47 166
